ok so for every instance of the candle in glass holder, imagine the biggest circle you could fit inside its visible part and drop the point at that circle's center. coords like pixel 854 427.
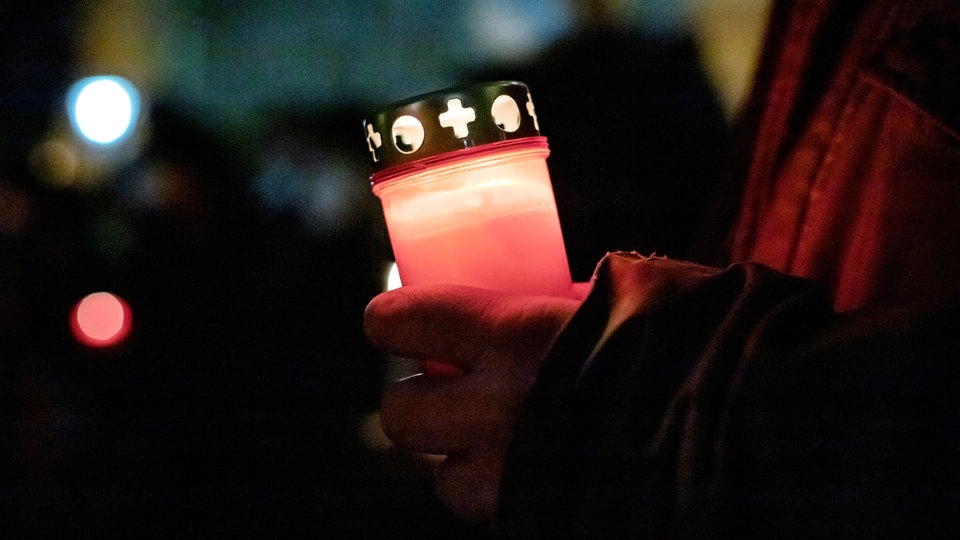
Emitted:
pixel 466 193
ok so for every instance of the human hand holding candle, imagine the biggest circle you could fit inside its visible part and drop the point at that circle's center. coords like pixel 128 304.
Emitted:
pixel 497 341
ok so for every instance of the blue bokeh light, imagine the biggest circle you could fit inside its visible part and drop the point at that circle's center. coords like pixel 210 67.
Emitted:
pixel 103 110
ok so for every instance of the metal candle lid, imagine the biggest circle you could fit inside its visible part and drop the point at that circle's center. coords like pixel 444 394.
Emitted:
pixel 454 119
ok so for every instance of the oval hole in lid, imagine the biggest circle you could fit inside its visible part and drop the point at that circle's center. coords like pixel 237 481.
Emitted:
pixel 506 113
pixel 407 134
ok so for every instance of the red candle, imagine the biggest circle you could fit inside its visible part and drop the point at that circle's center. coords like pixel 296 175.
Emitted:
pixel 465 202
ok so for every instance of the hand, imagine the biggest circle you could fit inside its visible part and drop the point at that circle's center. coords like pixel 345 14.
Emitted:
pixel 496 343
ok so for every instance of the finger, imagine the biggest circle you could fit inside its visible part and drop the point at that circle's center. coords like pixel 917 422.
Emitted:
pixel 450 416
pixel 469 485
pixel 444 322
pixel 455 324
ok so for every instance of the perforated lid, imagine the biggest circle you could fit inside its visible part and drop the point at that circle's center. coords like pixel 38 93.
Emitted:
pixel 453 119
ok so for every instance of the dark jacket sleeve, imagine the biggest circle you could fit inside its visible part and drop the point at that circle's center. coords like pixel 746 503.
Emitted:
pixel 736 404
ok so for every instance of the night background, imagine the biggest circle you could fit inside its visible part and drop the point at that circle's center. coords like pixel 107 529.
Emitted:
pixel 236 223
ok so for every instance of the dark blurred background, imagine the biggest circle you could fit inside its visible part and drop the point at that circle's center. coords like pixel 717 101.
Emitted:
pixel 236 222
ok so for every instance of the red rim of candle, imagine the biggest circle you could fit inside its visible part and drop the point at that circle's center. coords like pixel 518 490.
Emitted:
pixel 441 160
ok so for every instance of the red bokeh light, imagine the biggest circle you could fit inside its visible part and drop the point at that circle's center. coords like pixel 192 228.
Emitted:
pixel 101 319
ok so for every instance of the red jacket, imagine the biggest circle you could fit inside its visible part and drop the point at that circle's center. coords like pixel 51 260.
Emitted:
pixel 855 175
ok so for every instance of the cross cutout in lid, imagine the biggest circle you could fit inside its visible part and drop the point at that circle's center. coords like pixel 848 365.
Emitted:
pixel 457 117
pixel 374 141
